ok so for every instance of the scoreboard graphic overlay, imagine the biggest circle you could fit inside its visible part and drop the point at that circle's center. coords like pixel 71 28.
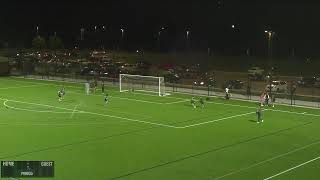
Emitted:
pixel 19 169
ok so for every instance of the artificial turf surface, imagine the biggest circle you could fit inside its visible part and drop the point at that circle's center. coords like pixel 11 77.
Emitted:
pixel 142 136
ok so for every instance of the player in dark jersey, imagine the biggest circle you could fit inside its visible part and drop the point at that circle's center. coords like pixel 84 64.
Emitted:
pixel 106 99
pixel 259 115
pixel 102 87
pixel 201 102
pixel 60 95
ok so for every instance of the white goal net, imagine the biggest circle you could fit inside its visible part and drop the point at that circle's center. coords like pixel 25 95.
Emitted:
pixel 128 82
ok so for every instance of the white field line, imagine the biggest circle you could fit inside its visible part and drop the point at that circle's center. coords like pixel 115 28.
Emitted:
pixel 17 87
pixel 248 100
pixel 50 124
pixel 129 99
pixel 74 109
pixel 167 97
pixel 217 120
pixel 292 168
pixel 98 114
pixel 178 101
pixel 268 160
pixel 50 80
pixel 245 100
pixel 123 98
pixel 31 110
pixel 23 102
pixel 42 83
pixel 234 105
pixel 133 120
pixel 129 119
pixel 291 112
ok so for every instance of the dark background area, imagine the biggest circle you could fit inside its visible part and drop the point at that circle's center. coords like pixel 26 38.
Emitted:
pixel 210 24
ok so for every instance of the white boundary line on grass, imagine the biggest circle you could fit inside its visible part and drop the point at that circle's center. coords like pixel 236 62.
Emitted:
pixel 123 118
pixel 98 114
pixel 178 101
pixel 217 120
pixel 291 112
pixel 129 99
pixel 282 172
pixel 307 107
pixel 17 87
pixel 31 110
pixel 268 160
pixel 248 100
pixel 50 124
pixel 74 109
pixel 202 122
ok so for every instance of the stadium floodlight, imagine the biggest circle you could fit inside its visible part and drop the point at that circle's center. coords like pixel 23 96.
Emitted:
pixel 152 84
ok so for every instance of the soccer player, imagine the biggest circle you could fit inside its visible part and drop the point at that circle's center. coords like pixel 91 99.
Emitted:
pixel 95 84
pixel 102 87
pixel 266 99
pixel 60 95
pixel 63 91
pixel 259 115
pixel 193 102
pixel 201 102
pixel 273 99
pixel 227 93
pixel 262 98
pixel 106 98
pixel 87 88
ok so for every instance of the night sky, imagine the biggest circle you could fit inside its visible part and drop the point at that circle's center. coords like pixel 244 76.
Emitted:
pixel 296 24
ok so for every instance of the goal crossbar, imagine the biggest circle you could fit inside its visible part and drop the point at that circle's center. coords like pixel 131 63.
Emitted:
pixel 131 82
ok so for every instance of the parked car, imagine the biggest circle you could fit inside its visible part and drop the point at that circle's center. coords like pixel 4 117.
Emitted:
pixel 277 86
pixel 307 82
pixel 256 73
pixel 204 82
pixel 233 84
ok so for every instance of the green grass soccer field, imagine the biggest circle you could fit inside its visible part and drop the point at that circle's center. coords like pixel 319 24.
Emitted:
pixel 144 136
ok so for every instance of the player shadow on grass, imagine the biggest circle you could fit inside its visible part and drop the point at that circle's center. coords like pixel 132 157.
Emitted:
pixel 251 120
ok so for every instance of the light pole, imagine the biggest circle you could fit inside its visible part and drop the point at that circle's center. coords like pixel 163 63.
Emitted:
pixel 159 36
pixel 81 33
pixel 270 35
pixel 188 43
pixel 37 30
pixel 122 33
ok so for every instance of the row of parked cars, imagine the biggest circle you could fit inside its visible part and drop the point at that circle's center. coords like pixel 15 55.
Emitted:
pixel 309 81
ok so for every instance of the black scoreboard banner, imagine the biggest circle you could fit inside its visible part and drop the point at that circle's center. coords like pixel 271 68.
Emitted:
pixel 24 169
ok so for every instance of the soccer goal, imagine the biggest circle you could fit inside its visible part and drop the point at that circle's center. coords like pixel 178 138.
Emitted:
pixel 152 84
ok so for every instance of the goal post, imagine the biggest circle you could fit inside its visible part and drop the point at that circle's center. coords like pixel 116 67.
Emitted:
pixel 152 84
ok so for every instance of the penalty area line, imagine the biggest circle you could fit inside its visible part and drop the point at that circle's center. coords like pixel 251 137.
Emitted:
pixel 93 113
pixel 217 120
pixel 290 169
pixel 74 109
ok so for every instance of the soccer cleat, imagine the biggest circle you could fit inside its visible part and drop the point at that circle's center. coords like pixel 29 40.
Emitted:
pixel 261 120
pixel 258 122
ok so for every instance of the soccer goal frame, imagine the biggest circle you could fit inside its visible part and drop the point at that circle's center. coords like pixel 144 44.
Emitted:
pixel 151 84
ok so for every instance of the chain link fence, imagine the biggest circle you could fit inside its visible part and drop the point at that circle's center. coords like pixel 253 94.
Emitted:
pixel 243 87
